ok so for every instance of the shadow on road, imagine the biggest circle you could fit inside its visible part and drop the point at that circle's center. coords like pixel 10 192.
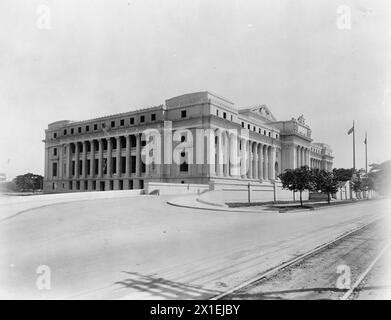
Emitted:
pixel 161 288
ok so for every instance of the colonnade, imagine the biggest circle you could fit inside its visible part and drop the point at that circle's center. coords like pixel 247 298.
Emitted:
pixel 302 156
pixel 316 163
pixel 236 156
pixel 103 158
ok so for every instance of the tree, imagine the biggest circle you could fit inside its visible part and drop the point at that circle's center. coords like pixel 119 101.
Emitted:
pixel 343 174
pixel 29 181
pixel 357 185
pixel 297 180
pixel 325 181
pixel 381 177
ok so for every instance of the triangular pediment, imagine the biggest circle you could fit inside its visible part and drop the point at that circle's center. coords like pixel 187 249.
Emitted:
pixel 264 112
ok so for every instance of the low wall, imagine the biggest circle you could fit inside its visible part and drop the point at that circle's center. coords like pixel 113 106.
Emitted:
pixel 230 191
pixel 162 188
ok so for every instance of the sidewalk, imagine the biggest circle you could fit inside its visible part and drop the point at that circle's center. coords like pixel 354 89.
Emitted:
pixel 194 202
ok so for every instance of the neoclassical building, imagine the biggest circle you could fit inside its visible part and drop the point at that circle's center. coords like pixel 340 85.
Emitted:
pixel 202 137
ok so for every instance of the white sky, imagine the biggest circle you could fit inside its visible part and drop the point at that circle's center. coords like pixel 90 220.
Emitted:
pixel 105 57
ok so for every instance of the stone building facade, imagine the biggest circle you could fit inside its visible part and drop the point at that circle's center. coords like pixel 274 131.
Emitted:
pixel 202 137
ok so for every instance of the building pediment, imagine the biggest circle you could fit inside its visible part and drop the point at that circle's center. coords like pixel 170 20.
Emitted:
pixel 260 112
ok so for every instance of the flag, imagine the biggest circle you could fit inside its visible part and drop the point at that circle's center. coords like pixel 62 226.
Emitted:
pixel 351 130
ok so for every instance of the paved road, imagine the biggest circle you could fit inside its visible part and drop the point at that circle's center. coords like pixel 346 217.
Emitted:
pixel 140 247
pixel 327 274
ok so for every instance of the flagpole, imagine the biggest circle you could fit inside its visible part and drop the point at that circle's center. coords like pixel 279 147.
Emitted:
pixel 366 153
pixel 354 147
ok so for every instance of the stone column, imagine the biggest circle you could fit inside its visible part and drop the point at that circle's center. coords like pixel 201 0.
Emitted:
pixel 260 162
pixel 294 156
pixel 109 150
pixel 225 144
pixel 266 163
pixel 128 157
pixel 84 160
pixel 255 161
pixel 243 158
pixel 272 163
pixel 76 160
pixel 47 164
pixel 138 155
pixel 212 154
pixel 219 152
pixel 299 157
pixel 60 161
pixel 69 161
pixel 118 165
pixel 100 158
pixel 92 159
pixel 307 158
pixel 250 160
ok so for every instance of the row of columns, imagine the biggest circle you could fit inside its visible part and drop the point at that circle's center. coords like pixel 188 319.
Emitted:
pixel 76 151
pixel 240 157
pixel 302 156
pixel 233 156
pixel 316 163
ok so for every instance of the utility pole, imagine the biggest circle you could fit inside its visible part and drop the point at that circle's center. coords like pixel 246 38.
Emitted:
pixel 352 130
pixel 354 147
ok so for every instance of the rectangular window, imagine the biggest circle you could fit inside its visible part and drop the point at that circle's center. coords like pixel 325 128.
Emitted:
pixel 131 120
pixel 77 185
pixel 184 167
pixel 217 112
pixel 86 185
pixel 87 128
pixel 255 129
pixel 96 166
pixel 242 124
pixel 122 122
pixel 123 164
pixel 114 165
pixel 224 115
pixel 65 132
pixel 248 127
pixel 55 151
pixel 121 185
pixel 269 134
pixel 55 135
pixel 94 185
pixel 183 114
pixel 88 166
pixel 70 185
pixel 95 127
pixel 79 130
pixel 54 169
pixel 153 116
pixel 133 162
pixel 142 119
pixel 72 131
pixel 112 124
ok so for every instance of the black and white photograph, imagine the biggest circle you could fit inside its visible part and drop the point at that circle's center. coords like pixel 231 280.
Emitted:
pixel 170 150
